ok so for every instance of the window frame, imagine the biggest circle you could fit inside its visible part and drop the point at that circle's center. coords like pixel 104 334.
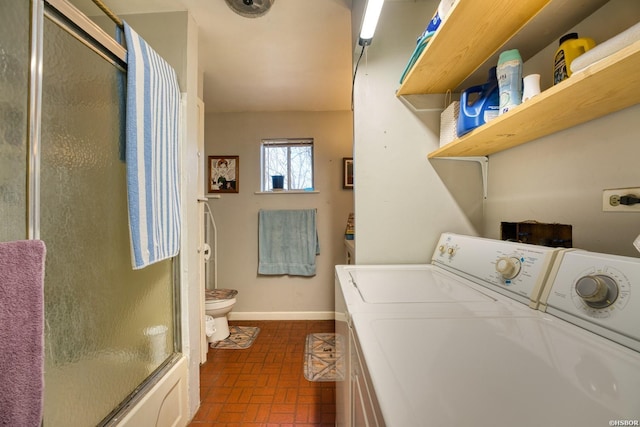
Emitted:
pixel 266 143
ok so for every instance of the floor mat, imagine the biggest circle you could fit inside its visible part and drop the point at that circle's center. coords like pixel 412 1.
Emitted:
pixel 240 337
pixel 323 358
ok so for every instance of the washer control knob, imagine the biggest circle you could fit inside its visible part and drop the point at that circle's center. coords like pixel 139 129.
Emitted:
pixel 451 251
pixel 508 267
pixel 595 289
pixel 442 249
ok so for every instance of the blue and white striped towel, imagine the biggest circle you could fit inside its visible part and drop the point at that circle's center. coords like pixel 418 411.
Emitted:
pixel 152 153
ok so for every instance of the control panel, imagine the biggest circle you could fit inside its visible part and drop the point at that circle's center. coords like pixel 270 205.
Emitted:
pixel 514 269
pixel 595 291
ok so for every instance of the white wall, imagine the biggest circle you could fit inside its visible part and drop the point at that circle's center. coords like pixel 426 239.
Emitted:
pixel 401 205
pixel 560 178
pixel 404 201
pixel 280 297
pixel 191 187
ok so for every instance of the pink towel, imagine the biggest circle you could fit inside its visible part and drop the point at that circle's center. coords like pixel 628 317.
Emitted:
pixel 21 332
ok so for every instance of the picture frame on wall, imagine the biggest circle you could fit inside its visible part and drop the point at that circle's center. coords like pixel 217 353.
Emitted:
pixel 224 174
pixel 347 172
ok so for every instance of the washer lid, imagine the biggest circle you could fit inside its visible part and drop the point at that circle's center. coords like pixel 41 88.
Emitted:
pixel 400 284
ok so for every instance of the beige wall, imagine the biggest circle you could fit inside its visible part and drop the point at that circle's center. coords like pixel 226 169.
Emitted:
pixel 270 297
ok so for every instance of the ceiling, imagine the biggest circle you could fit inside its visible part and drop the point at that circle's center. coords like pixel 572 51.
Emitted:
pixel 297 57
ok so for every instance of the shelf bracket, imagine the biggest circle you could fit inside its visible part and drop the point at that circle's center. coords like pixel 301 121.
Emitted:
pixel 484 167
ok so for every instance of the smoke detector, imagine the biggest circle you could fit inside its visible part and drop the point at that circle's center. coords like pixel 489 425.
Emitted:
pixel 250 8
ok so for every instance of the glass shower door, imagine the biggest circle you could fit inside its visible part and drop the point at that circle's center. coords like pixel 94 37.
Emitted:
pixel 14 85
pixel 107 327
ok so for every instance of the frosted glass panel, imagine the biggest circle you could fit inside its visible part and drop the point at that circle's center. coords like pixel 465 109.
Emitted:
pixel 14 77
pixel 100 314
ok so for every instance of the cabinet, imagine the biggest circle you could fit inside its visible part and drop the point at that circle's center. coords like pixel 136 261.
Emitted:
pixel 474 34
pixel 363 400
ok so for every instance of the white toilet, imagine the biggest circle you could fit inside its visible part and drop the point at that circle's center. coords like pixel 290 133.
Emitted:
pixel 218 303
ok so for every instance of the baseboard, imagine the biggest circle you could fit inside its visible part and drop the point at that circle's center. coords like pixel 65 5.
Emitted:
pixel 282 315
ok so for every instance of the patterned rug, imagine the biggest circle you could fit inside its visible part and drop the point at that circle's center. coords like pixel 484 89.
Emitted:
pixel 240 337
pixel 323 359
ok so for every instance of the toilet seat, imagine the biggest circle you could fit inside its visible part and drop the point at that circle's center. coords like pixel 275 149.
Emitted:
pixel 220 294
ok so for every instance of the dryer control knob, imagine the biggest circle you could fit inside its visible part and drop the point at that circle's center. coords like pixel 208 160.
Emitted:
pixel 596 289
pixel 508 267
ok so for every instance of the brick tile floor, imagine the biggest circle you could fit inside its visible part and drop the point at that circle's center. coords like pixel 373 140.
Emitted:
pixel 264 385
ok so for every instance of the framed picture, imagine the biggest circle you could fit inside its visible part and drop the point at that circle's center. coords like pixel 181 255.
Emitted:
pixel 224 174
pixel 347 172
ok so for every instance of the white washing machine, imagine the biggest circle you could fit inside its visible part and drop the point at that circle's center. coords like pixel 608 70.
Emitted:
pixel 460 341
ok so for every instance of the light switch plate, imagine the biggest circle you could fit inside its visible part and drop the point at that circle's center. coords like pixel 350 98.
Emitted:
pixel 636 243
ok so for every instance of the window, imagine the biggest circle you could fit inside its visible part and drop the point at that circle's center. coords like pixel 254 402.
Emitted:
pixel 291 158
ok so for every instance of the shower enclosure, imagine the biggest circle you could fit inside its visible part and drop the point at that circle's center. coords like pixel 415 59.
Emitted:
pixel 108 329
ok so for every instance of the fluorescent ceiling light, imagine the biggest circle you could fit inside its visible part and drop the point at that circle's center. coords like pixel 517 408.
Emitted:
pixel 371 15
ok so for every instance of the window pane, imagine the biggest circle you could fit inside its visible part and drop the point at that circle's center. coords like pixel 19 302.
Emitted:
pixel 291 158
pixel 275 161
pixel 301 168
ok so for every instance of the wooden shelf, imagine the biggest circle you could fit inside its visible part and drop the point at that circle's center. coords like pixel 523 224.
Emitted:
pixel 471 38
pixel 469 42
pixel 606 86
pixel 472 33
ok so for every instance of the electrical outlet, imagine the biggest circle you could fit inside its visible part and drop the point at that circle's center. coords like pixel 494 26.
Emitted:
pixel 611 200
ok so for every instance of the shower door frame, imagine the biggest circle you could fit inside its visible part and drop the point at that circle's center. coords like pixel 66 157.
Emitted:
pixel 92 36
pixel 78 25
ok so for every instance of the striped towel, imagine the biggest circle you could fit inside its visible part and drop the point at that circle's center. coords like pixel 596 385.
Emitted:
pixel 152 143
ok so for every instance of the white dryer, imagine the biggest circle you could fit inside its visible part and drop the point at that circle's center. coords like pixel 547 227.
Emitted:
pixel 460 341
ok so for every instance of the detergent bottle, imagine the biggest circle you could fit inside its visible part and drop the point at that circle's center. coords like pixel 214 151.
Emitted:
pixel 476 111
pixel 571 46
pixel 509 79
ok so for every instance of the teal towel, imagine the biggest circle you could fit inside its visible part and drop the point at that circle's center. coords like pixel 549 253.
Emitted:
pixel 422 43
pixel 287 242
